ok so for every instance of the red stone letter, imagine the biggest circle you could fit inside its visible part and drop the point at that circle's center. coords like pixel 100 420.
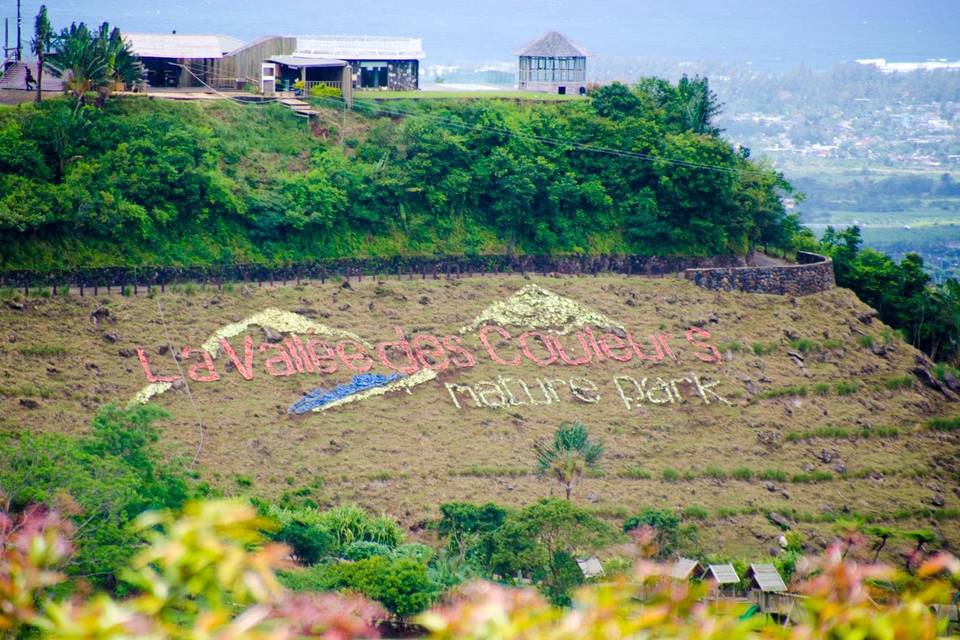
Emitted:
pixel 694 335
pixel 282 357
pixel 151 376
pixel 611 343
pixel 359 361
pixel 452 344
pixel 430 352
pixel 412 365
pixel 326 354
pixel 545 340
pixel 193 371
pixel 576 362
pixel 245 368
pixel 503 333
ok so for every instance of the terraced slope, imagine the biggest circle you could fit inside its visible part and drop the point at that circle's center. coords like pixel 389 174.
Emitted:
pixel 812 412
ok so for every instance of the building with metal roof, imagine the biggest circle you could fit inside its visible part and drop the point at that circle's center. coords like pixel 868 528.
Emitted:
pixel 553 64
pixel 684 569
pixel 722 574
pixel 590 567
pixel 376 62
pixel 765 578
pixel 180 60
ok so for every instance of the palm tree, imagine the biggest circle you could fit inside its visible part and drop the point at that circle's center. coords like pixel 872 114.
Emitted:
pixel 883 534
pixel 80 60
pixel 569 455
pixel 42 36
pixel 123 66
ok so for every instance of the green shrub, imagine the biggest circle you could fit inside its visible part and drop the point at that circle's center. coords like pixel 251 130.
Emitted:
pixel 773 475
pixel 325 91
pixel 846 388
pixel 308 544
pixel 361 550
pixel 899 382
pixel 821 389
pixel 803 345
pixel 694 512
pixel 734 345
pixel 487 472
pixel 763 348
pixel 27 390
pixel 670 475
pixel 942 369
pixel 636 473
pixel 866 341
pixel 401 585
pixel 879 432
pixel 944 424
pixel 742 473
pixel 715 472
pixel 812 477
pixel 831 343
pixel 726 512
pixel 666 523
pixel 795 390
pixel 42 350
pixel 243 480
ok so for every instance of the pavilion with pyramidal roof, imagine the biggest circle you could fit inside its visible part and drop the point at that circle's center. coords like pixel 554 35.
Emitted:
pixel 553 64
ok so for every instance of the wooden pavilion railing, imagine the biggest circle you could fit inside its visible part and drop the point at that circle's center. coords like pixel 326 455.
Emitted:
pixel 310 84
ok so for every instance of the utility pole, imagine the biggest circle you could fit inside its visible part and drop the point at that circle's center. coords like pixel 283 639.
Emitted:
pixel 19 24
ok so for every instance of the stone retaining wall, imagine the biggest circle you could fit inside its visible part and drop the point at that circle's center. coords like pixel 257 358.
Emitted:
pixel 813 274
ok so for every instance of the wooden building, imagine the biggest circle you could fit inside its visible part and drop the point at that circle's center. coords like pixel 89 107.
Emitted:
pixel 180 60
pixel 553 64
pixel 376 62
pixel 242 67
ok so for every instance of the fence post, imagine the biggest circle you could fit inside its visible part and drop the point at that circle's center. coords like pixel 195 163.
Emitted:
pixel 134 287
pixel 54 293
pixel 80 284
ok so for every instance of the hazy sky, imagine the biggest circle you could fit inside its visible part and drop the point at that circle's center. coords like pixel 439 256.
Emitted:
pixel 768 32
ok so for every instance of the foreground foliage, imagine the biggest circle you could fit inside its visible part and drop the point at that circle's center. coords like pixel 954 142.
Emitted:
pixel 203 574
pixel 206 573
pixel 101 481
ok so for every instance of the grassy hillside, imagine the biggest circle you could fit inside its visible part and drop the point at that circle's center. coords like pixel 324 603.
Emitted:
pixel 824 422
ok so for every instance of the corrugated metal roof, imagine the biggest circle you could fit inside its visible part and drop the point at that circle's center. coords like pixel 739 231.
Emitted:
pixel 767 578
pixel 723 573
pixel 683 568
pixel 590 567
pixel 302 61
pixel 553 44
pixel 229 43
pixel 177 45
pixel 360 47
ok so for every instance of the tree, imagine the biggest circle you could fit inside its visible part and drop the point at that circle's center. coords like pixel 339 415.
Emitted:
pixel 569 455
pixel 542 541
pixel 883 534
pixel 666 525
pixel 80 60
pixel 123 66
pixel 40 44
pixel 615 100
